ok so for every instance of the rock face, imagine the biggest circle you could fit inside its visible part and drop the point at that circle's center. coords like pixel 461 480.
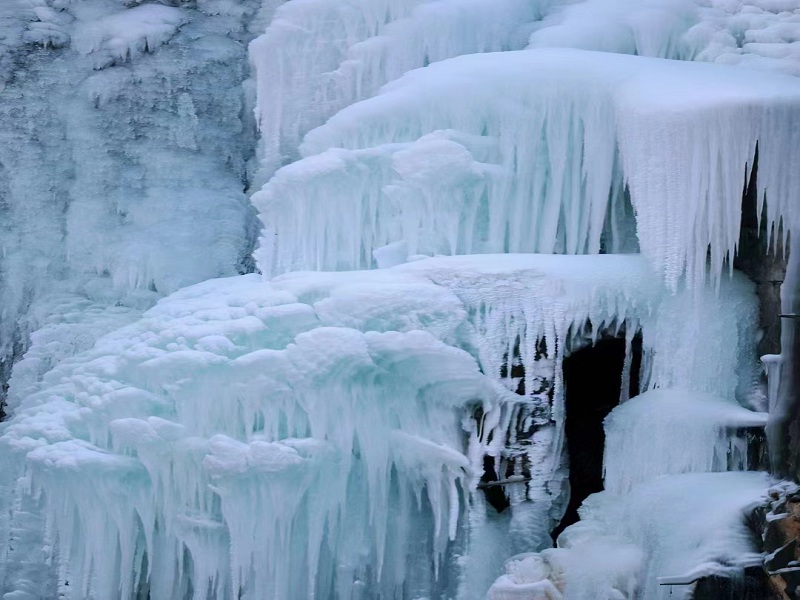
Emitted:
pixel 762 256
pixel 782 542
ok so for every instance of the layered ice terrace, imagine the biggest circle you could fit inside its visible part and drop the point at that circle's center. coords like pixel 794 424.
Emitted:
pixel 532 151
pixel 322 429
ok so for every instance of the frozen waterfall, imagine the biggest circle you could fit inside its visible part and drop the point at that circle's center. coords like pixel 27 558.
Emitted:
pixel 295 294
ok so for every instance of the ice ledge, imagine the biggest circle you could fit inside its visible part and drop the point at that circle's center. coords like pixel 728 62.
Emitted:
pixel 537 142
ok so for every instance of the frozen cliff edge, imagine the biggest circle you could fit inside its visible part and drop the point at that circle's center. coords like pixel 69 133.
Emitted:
pixel 150 453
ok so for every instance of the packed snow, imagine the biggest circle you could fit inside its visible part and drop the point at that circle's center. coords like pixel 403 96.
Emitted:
pixel 673 530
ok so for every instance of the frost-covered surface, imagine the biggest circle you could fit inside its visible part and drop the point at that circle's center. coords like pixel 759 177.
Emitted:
pixel 332 405
pixel 319 56
pixel 322 434
pixel 764 34
pixel 528 151
pixel 69 324
pixel 122 152
pixel 696 433
pixel 677 528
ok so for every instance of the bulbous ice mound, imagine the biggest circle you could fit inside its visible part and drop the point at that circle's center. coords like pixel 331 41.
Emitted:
pixel 694 436
pixel 231 400
pixel 312 434
pixel 529 152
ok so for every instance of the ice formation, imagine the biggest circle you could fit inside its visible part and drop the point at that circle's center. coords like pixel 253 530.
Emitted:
pixel 319 56
pixel 333 427
pixel 331 402
pixel 696 434
pixel 649 543
pixel 123 152
pixel 532 157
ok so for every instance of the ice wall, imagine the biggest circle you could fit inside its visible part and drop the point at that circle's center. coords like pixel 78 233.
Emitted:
pixel 123 152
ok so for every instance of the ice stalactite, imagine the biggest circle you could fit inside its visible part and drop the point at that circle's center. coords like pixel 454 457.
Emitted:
pixel 529 163
pixel 319 56
pixel 336 406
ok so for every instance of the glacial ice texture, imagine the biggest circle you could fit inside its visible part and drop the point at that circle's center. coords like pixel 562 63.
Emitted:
pixel 336 406
pixel 322 434
pixel 123 153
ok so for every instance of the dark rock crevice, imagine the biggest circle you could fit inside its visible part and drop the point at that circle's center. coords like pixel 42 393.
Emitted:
pixel 593 379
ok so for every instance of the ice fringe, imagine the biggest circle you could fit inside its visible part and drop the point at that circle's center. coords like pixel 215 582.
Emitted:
pixel 529 152
pixel 319 56
pixel 238 397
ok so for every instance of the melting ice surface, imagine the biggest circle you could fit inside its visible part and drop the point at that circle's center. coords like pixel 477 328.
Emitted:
pixel 321 431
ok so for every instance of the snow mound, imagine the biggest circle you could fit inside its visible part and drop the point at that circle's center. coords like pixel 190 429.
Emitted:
pixel 677 528
pixel 529 152
pixel 121 36
pixel 696 433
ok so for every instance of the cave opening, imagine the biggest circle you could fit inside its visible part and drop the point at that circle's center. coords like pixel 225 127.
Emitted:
pixel 593 381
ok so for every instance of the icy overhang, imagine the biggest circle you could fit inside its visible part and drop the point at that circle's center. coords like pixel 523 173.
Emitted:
pixel 326 398
pixel 529 151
